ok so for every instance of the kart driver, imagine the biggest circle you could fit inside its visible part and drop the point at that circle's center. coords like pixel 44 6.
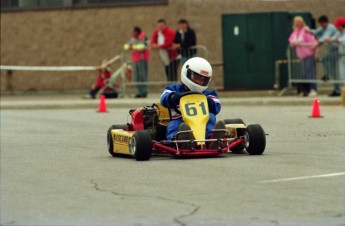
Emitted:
pixel 196 75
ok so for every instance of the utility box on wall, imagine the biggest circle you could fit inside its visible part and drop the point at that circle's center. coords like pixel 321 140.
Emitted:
pixel 251 44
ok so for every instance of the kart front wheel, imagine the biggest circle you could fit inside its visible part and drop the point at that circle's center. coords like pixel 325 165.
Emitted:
pixel 141 145
pixel 110 143
pixel 255 139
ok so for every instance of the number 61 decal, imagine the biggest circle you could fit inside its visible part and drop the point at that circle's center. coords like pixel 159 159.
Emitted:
pixel 192 108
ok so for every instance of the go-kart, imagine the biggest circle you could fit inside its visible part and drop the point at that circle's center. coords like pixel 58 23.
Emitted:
pixel 146 133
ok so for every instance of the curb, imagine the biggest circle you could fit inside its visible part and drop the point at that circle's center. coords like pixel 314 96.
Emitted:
pixel 135 103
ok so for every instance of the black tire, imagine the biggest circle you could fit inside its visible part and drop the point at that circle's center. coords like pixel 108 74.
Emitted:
pixel 255 139
pixel 238 149
pixel 141 145
pixel 110 144
pixel 234 121
pixel 118 126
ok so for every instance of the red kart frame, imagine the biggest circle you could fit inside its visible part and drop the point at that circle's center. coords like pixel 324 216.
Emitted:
pixel 159 147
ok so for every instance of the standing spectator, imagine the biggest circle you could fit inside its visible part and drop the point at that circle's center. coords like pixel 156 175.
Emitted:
pixel 162 40
pixel 140 57
pixel 340 39
pixel 185 38
pixel 325 31
pixel 304 42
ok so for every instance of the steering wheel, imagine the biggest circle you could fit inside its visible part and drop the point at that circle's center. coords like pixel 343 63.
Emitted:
pixel 185 94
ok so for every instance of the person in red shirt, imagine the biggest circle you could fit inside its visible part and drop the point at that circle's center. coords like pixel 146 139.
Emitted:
pixel 140 57
pixel 103 76
pixel 162 40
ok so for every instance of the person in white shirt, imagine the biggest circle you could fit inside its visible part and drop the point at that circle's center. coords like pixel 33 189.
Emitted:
pixel 329 60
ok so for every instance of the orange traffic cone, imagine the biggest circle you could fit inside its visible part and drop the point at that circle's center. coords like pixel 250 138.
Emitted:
pixel 315 112
pixel 102 107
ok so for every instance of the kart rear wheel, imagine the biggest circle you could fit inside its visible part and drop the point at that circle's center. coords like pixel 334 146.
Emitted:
pixel 239 148
pixel 255 139
pixel 141 145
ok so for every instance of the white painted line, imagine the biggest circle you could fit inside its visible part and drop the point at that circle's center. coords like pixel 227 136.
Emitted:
pixel 303 178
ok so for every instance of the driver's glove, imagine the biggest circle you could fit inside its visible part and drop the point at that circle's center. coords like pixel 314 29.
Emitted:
pixel 211 105
pixel 175 98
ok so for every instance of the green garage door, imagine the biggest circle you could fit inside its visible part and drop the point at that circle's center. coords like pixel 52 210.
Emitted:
pixel 251 45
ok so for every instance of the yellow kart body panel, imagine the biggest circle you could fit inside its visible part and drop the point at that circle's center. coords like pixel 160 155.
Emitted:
pixel 163 114
pixel 122 141
pixel 194 111
pixel 233 129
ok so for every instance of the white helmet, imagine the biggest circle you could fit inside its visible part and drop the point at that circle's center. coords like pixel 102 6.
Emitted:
pixel 196 74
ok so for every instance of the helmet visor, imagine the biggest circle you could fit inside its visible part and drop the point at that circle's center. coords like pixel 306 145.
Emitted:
pixel 198 78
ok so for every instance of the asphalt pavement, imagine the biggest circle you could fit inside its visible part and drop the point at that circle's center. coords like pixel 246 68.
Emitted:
pixel 227 99
pixel 55 169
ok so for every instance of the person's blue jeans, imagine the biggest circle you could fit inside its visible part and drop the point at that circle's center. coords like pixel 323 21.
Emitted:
pixel 173 126
pixel 308 66
pixel 140 72
pixel 329 62
pixel 342 67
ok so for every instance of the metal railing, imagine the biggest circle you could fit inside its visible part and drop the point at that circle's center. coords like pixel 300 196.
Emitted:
pixel 323 67
pixel 120 76
pixel 155 77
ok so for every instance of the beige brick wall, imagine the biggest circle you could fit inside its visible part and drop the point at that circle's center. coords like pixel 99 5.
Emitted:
pixel 86 36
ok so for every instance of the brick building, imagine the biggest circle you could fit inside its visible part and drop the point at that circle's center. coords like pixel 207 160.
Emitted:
pixel 86 35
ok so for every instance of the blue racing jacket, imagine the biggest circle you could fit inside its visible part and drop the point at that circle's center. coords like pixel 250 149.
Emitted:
pixel 171 89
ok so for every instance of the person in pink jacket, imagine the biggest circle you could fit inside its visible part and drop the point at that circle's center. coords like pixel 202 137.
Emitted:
pixel 304 42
